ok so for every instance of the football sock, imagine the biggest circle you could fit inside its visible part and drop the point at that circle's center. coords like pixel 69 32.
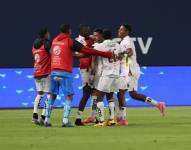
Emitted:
pixel 67 110
pixel 117 111
pixel 100 106
pixel 79 114
pixel 111 110
pixel 93 106
pixel 37 103
pixel 151 101
pixel 123 112
pixel 49 110
pixel 45 105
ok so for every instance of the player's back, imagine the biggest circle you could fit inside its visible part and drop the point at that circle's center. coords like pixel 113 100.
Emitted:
pixel 62 58
pixel 110 66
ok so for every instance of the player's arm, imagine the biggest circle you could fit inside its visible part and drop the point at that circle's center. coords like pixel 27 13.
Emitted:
pixel 81 55
pixel 47 45
pixel 77 46
pixel 129 52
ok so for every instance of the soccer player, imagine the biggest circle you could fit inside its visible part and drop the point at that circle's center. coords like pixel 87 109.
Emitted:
pixel 95 74
pixel 96 69
pixel 108 81
pixel 130 73
pixel 85 70
pixel 61 70
pixel 41 54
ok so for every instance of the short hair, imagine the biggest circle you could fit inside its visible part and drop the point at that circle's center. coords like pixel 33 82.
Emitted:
pixel 99 30
pixel 65 28
pixel 127 27
pixel 81 26
pixel 42 32
pixel 107 34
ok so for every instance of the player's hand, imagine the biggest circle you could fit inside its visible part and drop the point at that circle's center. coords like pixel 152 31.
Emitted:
pixel 129 52
pixel 120 56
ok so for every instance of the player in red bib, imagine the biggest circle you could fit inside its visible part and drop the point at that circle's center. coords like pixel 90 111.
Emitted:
pixel 63 47
pixel 41 54
pixel 85 71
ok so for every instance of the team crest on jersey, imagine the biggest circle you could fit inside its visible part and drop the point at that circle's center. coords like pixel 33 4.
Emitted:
pixel 57 50
pixel 37 58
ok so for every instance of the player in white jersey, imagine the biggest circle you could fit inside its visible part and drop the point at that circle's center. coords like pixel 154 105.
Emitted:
pixel 96 70
pixel 130 73
pixel 108 81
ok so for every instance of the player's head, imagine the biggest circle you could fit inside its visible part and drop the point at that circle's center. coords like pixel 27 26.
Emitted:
pixel 66 28
pixel 107 34
pixel 44 34
pixel 98 34
pixel 84 30
pixel 124 30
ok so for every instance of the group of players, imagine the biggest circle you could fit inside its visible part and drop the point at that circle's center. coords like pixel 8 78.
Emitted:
pixel 105 66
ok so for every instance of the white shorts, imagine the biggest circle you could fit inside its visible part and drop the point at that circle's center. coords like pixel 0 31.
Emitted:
pixel 85 76
pixel 108 84
pixel 123 82
pixel 43 84
pixel 133 83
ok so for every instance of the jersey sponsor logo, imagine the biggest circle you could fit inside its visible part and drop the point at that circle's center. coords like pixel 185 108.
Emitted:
pixel 37 58
pixel 57 50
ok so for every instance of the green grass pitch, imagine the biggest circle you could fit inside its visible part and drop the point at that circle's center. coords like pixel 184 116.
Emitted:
pixel 147 130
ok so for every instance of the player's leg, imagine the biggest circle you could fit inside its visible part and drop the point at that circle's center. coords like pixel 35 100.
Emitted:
pixel 67 110
pixel 86 94
pixel 104 86
pixel 37 100
pixel 122 105
pixel 67 88
pixel 46 88
pixel 85 75
pixel 54 90
pixel 133 87
pixel 93 104
pixel 93 107
pixel 111 104
pixel 100 108
pixel 121 116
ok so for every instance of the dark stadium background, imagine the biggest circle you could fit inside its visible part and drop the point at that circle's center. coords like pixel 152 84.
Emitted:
pixel 168 22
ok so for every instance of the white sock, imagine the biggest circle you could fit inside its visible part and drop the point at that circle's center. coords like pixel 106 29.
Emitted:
pixel 93 106
pixel 151 101
pixel 111 110
pixel 123 112
pixel 37 103
pixel 44 108
pixel 47 120
pixel 117 111
pixel 100 106
pixel 65 120
pixel 79 114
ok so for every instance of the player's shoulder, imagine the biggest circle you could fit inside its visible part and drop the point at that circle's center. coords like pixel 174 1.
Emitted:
pixel 126 40
pixel 98 46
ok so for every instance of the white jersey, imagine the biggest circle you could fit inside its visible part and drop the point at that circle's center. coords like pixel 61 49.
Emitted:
pixel 130 63
pixel 82 40
pixel 109 66
pixel 98 62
